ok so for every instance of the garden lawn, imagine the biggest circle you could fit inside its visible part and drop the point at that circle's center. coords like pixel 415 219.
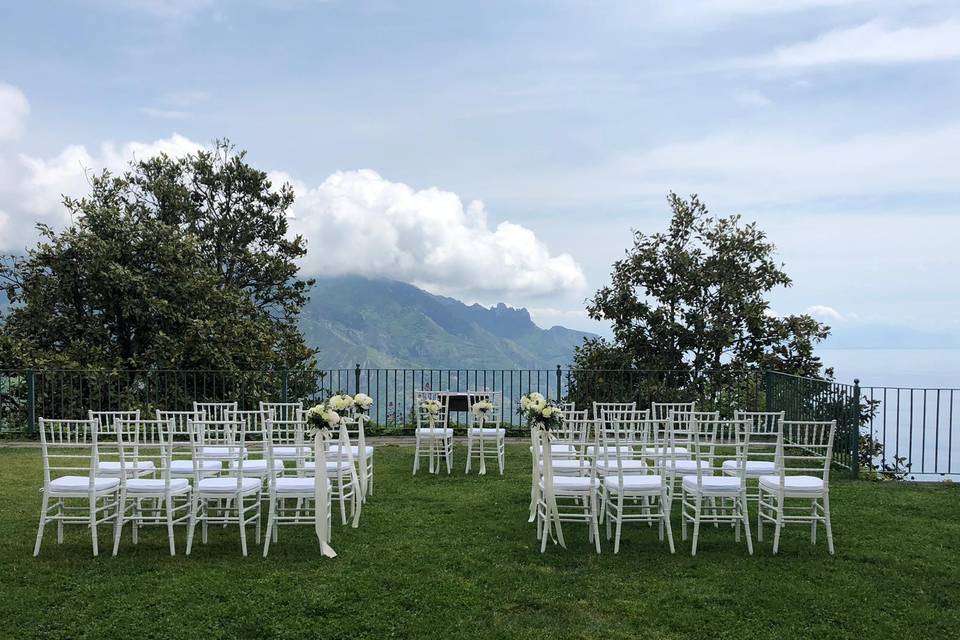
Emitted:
pixel 454 557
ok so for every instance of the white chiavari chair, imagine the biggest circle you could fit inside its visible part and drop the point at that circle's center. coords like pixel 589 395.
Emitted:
pixel 762 449
pixel 300 489
pixel 163 500
pixel 806 453
pixel 263 466
pixel 105 423
pixel 70 451
pixel 568 447
pixel 485 440
pixel 281 411
pixel 433 432
pixel 562 498
pixel 726 494
pixel 660 412
pixel 234 499
pixel 361 452
pixel 676 445
pixel 216 411
pixel 601 451
pixel 182 464
pixel 631 491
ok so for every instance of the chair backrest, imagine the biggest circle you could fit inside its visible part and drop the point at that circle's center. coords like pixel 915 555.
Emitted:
pixel 574 429
pixel 423 417
pixel 713 438
pixel 493 416
pixel 623 434
pixel 181 419
pixel 285 430
pixel 568 406
pixel 661 410
pixel 145 441
pixel 237 440
pixel 599 408
pixel 104 420
pixel 765 434
pixel 214 433
pixel 807 448
pixel 281 411
pixel 214 410
pixel 69 448
pixel 252 417
pixel 295 434
pixel 678 429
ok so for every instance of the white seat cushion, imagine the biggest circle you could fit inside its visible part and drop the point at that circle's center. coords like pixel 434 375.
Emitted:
pixel 568 466
pixel 573 484
pixel 152 486
pixel 561 449
pixel 81 484
pixel 257 467
pixel 438 432
pixel 633 484
pixel 296 485
pixel 609 465
pixel 755 468
pixel 310 467
pixel 112 469
pixel 228 486
pixel 290 453
pixel 609 452
pixel 185 467
pixel 679 452
pixel 334 448
pixel 223 453
pixel 486 432
pixel 685 467
pixel 793 485
pixel 713 484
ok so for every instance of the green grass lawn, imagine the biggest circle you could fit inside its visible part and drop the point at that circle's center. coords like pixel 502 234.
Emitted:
pixel 454 557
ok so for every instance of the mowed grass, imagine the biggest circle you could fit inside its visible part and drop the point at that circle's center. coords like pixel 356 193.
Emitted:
pixel 454 557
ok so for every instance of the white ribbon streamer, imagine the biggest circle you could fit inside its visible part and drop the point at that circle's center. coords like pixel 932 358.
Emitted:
pixel 320 493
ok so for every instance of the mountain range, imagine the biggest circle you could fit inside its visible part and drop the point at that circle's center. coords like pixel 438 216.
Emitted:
pixel 389 324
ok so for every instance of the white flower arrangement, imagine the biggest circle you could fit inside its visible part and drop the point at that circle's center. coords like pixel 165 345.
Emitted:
pixel 481 407
pixel 340 402
pixel 540 411
pixel 321 416
pixel 362 403
pixel 430 406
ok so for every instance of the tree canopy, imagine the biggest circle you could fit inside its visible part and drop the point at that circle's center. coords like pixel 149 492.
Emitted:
pixel 696 298
pixel 179 263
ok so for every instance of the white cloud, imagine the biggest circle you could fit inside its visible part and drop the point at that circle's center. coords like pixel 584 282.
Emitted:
pixel 14 110
pixel 359 222
pixel 871 43
pixel 823 312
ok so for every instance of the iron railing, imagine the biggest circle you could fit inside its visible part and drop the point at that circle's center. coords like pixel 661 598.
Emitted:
pixel 915 424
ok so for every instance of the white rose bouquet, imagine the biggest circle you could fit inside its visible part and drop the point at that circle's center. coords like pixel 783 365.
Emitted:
pixel 341 403
pixel 481 408
pixel 540 411
pixel 362 403
pixel 430 406
pixel 322 416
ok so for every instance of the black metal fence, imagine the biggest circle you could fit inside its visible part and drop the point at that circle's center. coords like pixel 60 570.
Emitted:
pixel 915 424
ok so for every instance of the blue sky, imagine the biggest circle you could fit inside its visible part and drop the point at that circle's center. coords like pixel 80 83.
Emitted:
pixel 504 150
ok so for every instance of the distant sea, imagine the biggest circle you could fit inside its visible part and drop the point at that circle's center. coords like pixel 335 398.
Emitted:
pixel 921 368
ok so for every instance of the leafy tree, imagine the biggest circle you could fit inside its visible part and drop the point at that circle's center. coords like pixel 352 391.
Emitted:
pixel 694 301
pixel 178 263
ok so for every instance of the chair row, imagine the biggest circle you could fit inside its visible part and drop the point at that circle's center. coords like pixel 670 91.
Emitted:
pixel 434 435
pixel 627 467
pixel 203 470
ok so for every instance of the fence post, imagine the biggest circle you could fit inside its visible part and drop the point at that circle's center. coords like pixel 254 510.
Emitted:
pixel 284 388
pixel 768 404
pixel 559 378
pixel 31 403
pixel 855 432
pixel 356 379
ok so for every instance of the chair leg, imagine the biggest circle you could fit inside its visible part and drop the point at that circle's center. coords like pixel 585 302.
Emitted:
pixel 826 522
pixel 173 542
pixel 449 455
pixel 271 515
pixel 745 516
pixel 760 515
pixel 500 454
pixel 779 525
pixel 665 519
pixel 696 523
pixel 43 522
pixel 118 525
pixel 469 453
pixel 192 523
pixel 243 525
pixel 93 526
pixel 59 521
pixel 416 457
pixel 616 535
pixel 594 525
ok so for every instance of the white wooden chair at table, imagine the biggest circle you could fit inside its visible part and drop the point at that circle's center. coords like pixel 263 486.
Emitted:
pixel 216 411
pixel 70 452
pixel 631 491
pixel 568 446
pixel 763 448
pixel 155 441
pixel 562 498
pixel 660 412
pixel 300 488
pixel 433 431
pixel 361 452
pixel 806 453
pixel 182 464
pixel 710 439
pixel 240 493
pixel 337 460
pixel 676 447
pixel 599 408
pixel 485 429
pixel 105 424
